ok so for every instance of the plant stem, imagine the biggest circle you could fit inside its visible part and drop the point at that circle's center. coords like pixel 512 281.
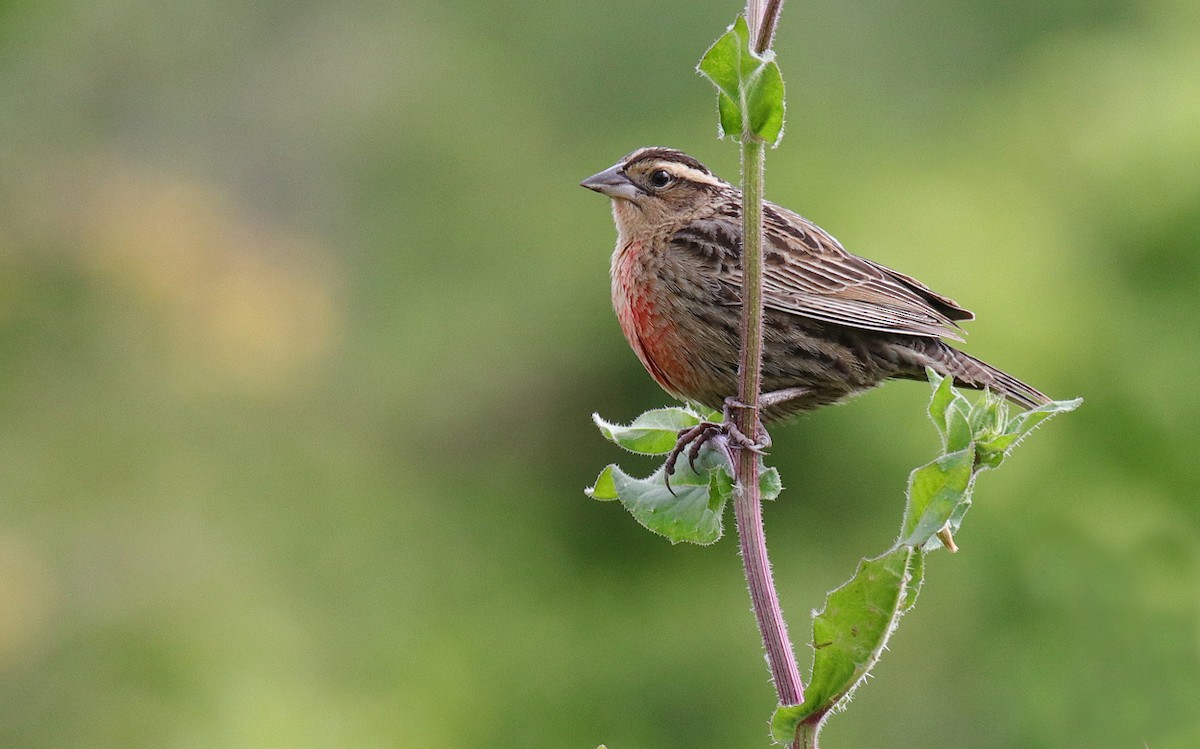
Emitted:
pixel 806 736
pixel 748 503
pixel 763 30
pixel 750 367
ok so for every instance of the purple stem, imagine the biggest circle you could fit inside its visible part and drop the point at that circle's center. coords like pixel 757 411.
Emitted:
pixel 747 510
pixel 748 504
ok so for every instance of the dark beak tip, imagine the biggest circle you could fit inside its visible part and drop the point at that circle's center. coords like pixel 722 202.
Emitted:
pixel 593 184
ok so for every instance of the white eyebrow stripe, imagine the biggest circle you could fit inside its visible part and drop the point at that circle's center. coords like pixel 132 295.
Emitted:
pixel 687 173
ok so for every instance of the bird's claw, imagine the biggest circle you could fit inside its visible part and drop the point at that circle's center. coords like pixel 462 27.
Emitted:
pixel 726 435
pixel 691 440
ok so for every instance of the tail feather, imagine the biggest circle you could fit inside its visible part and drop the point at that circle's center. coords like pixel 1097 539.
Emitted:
pixel 970 372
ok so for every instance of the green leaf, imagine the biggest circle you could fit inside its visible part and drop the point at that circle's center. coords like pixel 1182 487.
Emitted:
pixel 730 113
pixel 604 489
pixel 750 94
pixel 950 412
pixel 990 453
pixel 1025 422
pixel 690 510
pixel 769 482
pixel 764 103
pixel 707 414
pixel 653 433
pixel 850 633
pixel 989 415
pixel 935 491
pixel 993 445
pixel 916 570
pixel 722 63
pixel 958 425
pixel 943 396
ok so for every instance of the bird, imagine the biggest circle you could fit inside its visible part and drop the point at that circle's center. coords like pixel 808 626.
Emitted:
pixel 834 324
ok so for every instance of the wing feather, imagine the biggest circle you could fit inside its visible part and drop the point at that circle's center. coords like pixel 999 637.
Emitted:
pixel 808 273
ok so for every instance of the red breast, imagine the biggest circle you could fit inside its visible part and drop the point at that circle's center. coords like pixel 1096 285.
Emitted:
pixel 650 332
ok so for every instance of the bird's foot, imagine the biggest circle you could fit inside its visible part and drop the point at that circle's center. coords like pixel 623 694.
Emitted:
pixel 726 436
pixel 761 441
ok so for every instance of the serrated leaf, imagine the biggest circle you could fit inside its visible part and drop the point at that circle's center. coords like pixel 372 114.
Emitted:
pixel 850 633
pixel 653 433
pixel 691 509
pixel 935 490
pixel 1025 422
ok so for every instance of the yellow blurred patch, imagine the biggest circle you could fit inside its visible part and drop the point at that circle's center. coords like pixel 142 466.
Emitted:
pixel 242 301
pixel 28 592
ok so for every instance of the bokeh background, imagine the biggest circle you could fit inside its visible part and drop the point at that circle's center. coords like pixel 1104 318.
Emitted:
pixel 303 316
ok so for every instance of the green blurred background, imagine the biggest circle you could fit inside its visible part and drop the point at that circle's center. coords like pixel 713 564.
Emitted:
pixel 303 315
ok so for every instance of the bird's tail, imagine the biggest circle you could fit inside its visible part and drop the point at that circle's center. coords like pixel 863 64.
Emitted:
pixel 970 372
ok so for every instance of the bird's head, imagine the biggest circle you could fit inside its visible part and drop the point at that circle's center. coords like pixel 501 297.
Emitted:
pixel 657 185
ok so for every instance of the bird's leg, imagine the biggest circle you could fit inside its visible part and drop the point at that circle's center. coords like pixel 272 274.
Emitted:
pixel 775 397
pixel 691 440
pixel 727 434
pixel 761 441
pixel 762 438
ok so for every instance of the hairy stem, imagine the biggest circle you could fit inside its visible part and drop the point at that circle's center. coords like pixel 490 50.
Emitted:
pixel 806 736
pixel 750 367
pixel 763 22
pixel 748 504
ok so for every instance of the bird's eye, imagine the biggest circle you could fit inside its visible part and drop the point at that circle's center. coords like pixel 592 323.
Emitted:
pixel 660 178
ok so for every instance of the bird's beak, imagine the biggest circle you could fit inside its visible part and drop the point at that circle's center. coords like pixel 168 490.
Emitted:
pixel 613 183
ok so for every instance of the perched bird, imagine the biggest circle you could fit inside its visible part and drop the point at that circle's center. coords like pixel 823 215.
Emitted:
pixel 835 324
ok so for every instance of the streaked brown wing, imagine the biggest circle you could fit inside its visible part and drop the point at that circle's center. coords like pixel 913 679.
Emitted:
pixel 807 272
